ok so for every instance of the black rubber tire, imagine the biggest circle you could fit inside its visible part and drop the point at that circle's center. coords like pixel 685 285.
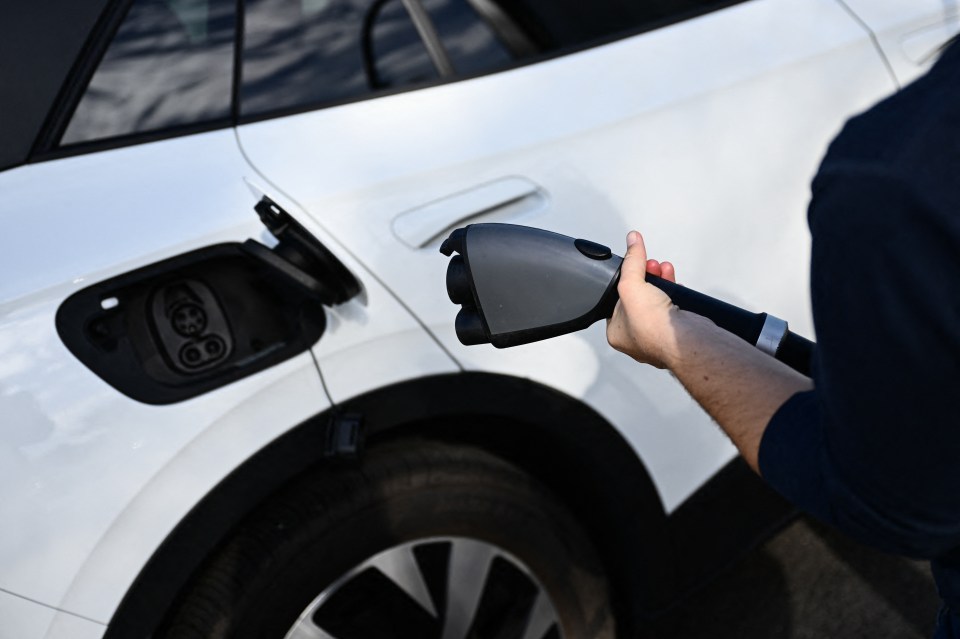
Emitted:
pixel 330 520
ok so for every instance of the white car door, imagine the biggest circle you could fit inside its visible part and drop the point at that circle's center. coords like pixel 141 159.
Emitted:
pixel 702 129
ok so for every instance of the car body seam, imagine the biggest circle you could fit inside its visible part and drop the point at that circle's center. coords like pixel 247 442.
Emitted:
pixel 369 271
pixel 874 40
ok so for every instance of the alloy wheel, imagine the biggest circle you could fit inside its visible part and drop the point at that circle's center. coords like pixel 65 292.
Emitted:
pixel 434 588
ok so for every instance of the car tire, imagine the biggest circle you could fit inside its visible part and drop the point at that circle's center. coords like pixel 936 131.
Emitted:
pixel 315 560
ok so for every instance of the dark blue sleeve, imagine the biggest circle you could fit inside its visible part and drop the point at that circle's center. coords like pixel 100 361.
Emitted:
pixel 795 459
pixel 790 455
pixel 874 450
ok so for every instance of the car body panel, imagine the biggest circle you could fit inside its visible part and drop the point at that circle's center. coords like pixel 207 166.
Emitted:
pixel 371 341
pixel 94 479
pixel 25 619
pixel 676 131
pixel 256 411
pixel 69 626
pixel 117 473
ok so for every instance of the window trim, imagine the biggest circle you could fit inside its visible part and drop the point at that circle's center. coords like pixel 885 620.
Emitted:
pixel 240 27
pixel 133 139
pixel 78 79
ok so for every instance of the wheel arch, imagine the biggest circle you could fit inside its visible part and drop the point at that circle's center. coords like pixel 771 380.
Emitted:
pixel 564 443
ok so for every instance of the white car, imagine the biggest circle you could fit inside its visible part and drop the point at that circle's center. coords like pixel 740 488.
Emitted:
pixel 217 421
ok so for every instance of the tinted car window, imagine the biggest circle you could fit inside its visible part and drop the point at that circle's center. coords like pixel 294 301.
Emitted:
pixel 397 54
pixel 557 24
pixel 170 64
pixel 309 53
pixel 312 52
pixel 471 43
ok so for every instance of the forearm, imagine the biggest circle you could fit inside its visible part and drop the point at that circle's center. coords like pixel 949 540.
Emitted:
pixel 739 386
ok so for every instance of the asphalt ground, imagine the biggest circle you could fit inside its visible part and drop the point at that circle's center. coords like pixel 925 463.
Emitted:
pixel 810 582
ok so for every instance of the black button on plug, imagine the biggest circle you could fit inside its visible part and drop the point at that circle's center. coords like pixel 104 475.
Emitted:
pixel 592 249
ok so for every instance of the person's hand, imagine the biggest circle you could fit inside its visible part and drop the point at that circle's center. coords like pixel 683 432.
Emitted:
pixel 641 325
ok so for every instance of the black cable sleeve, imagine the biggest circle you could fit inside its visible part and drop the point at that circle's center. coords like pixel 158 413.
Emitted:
pixel 740 322
pixel 797 353
pixel 794 351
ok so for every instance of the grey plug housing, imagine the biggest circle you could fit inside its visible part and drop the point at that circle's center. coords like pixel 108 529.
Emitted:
pixel 518 284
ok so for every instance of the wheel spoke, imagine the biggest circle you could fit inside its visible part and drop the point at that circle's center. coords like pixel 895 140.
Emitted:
pixel 306 629
pixel 401 567
pixel 469 565
pixel 542 618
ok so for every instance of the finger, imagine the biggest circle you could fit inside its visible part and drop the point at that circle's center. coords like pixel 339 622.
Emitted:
pixel 653 267
pixel 668 272
pixel 634 265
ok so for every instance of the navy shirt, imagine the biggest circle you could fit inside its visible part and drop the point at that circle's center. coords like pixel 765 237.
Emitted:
pixel 875 449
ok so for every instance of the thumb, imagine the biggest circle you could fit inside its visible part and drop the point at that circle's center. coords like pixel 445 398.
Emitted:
pixel 634 267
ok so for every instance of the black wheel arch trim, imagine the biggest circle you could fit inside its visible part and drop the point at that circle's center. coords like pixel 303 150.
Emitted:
pixel 563 442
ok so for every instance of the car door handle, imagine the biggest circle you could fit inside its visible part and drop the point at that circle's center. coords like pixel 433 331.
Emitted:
pixel 497 201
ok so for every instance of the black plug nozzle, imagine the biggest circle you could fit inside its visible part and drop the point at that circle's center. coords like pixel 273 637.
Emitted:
pixel 458 281
pixel 469 325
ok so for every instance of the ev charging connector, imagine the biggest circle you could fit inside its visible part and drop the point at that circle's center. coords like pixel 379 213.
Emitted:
pixel 518 284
